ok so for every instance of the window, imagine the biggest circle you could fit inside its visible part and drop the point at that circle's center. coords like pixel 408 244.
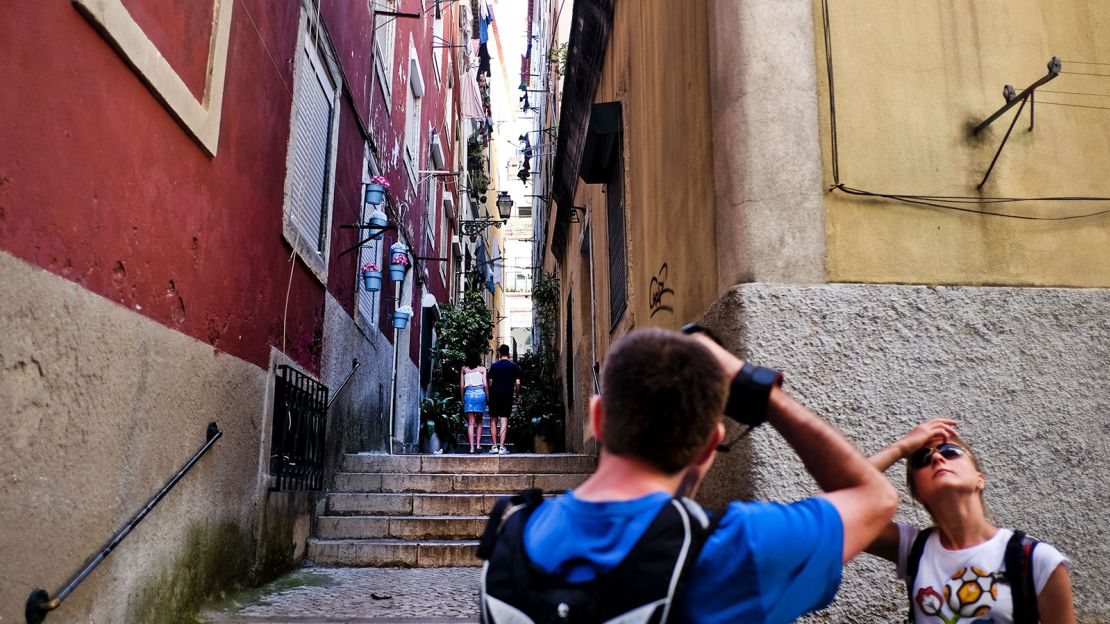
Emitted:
pixel 369 303
pixel 310 163
pixel 430 217
pixel 618 263
pixel 385 42
pixel 524 212
pixel 570 351
pixel 438 48
pixel 413 97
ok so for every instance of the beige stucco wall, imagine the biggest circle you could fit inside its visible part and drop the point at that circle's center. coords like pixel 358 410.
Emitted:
pixel 766 157
pixel 657 65
pixel 911 80
pixel 1023 371
pixel 99 407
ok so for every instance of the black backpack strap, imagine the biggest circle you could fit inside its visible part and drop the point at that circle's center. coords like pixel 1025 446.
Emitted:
pixel 913 562
pixel 1019 574
pixel 530 498
pixel 701 535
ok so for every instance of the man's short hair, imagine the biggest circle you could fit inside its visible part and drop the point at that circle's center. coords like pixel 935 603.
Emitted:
pixel 662 393
pixel 503 350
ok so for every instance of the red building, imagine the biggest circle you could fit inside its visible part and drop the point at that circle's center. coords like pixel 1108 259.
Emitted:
pixel 175 179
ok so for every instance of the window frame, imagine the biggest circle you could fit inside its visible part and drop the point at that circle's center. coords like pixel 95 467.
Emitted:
pixel 313 48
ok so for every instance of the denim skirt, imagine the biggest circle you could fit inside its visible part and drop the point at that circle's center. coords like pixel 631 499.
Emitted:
pixel 474 399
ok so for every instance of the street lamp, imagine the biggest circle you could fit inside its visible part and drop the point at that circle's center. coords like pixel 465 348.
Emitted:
pixel 474 227
pixel 504 205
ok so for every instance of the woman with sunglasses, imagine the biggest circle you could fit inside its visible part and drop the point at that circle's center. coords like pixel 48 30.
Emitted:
pixel 961 575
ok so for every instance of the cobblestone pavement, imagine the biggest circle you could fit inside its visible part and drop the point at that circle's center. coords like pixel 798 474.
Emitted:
pixel 354 595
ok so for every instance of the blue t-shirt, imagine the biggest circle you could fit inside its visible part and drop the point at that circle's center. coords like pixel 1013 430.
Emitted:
pixel 766 562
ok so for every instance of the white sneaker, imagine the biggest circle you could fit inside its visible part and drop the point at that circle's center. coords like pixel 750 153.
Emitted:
pixel 503 451
pixel 493 450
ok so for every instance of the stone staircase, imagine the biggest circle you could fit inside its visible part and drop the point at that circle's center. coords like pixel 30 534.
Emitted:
pixel 427 510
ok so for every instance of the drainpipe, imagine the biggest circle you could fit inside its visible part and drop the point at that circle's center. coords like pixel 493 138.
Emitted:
pixel 398 287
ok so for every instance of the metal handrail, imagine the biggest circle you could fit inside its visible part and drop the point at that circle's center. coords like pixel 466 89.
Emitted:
pixel 40 604
pixel 335 395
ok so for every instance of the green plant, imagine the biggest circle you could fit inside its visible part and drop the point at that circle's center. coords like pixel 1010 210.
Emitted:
pixel 557 56
pixel 441 415
pixel 462 327
pixel 541 410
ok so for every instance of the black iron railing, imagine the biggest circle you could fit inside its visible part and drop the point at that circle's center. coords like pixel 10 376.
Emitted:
pixel 297 443
pixel 40 603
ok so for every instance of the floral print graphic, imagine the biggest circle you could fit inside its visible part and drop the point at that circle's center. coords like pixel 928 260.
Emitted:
pixel 967 596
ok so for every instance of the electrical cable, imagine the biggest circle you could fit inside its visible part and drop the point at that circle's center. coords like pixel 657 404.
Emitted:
pixel 832 92
pixel 1073 93
pixel 1085 63
pixel 941 201
pixel 1077 105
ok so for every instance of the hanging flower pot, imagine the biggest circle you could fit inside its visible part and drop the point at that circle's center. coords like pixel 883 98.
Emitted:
pixel 377 221
pixel 375 190
pixel 371 277
pixel 398 261
pixel 401 317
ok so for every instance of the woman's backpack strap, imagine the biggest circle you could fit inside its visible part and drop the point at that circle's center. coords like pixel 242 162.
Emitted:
pixel 913 563
pixel 1019 573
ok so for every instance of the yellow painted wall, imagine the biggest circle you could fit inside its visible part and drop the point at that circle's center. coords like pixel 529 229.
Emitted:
pixel 911 79
pixel 657 65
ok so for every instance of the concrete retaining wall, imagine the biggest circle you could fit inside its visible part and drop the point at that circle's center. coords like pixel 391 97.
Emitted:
pixel 99 406
pixel 1024 371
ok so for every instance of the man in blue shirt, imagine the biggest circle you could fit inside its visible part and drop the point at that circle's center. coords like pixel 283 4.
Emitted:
pixel 659 424
pixel 504 384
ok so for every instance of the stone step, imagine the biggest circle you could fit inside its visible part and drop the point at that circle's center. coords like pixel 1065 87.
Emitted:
pixel 401 527
pixel 387 553
pixel 402 504
pixel 415 504
pixel 519 463
pixel 444 483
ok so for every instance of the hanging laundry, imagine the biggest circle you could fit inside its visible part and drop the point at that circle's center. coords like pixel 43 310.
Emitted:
pixel 484 60
pixel 485 19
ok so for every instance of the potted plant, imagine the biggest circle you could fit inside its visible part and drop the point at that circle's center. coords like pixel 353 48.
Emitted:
pixel 371 277
pixel 442 420
pixel 398 261
pixel 547 430
pixel 375 190
pixel 377 222
pixel 401 317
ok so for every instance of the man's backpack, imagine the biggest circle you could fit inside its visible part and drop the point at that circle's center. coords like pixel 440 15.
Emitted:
pixel 1018 559
pixel 642 588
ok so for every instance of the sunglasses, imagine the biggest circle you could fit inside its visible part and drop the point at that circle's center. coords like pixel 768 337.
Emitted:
pixel 924 457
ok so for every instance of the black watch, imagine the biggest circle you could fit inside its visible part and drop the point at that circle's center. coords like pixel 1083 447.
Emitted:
pixel 749 392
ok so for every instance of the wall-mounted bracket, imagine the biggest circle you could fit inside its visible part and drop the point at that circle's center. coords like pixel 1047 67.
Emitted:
pixel 1016 99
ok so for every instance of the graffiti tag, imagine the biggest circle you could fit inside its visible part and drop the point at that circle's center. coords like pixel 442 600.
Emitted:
pixel 658 290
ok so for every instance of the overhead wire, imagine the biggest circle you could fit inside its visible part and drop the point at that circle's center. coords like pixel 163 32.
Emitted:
pixel 943 201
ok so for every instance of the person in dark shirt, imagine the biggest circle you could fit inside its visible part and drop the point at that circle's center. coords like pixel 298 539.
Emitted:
pixel 504 383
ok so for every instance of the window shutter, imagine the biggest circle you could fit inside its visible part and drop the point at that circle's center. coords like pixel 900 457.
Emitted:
pixel 310 144
pixel 614 223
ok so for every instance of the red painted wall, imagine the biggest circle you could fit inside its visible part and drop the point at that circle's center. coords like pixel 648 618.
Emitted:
pixel 100 184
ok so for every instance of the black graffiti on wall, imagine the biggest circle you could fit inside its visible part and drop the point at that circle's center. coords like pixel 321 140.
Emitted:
pixel 661 296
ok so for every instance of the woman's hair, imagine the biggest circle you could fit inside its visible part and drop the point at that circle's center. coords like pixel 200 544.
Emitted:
pixel 911 472
pixel 472 358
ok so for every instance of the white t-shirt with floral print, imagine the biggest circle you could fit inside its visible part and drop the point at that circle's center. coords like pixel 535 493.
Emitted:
pixel 965 586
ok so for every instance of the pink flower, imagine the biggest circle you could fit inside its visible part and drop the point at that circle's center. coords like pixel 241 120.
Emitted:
pixel 380 180
pixel 929 601
pixel 370 266
pixel 400 258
